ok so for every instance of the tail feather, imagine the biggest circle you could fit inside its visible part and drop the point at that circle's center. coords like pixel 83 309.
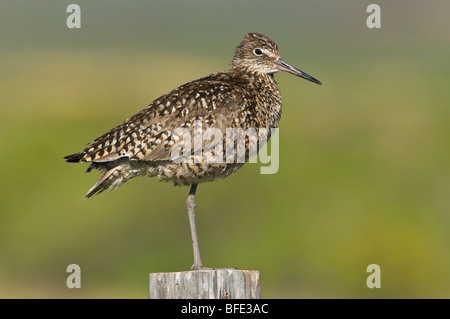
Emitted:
pixel 111 180
pixel 101 185
pixel 74 158
pixel 115 173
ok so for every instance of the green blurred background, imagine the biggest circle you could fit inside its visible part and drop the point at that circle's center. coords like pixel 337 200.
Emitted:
pixel 364 159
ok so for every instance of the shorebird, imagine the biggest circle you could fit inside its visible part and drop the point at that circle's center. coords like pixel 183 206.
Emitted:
pixel 246 96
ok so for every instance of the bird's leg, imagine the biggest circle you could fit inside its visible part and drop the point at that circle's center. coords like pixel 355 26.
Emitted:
pixel 190 203
pixel 191 206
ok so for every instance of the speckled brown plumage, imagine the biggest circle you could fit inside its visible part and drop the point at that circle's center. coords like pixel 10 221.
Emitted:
pixel 246 96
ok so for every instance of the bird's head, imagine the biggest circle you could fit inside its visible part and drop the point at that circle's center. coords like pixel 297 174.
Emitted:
pixel 257 53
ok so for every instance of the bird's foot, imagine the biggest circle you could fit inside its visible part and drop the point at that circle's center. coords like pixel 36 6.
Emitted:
pixel 201 267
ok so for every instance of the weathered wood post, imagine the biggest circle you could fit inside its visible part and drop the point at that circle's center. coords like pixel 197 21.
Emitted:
pixel 205 284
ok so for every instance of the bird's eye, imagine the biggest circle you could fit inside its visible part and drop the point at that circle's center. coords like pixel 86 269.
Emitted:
pixel 257 52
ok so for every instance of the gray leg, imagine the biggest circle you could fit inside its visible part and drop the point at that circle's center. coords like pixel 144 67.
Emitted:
pixel 190 203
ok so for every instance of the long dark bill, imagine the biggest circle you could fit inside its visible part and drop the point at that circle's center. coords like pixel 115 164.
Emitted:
pixel 286 67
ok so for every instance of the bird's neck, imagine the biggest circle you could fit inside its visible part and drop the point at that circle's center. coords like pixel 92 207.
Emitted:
pixel 255 80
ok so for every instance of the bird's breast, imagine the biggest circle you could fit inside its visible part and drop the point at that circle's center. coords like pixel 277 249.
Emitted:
pixel 265 104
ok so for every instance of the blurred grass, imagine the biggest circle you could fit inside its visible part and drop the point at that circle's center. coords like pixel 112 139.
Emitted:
pixel 363 178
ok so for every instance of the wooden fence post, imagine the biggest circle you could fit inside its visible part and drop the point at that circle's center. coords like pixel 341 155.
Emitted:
pixel 205 284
